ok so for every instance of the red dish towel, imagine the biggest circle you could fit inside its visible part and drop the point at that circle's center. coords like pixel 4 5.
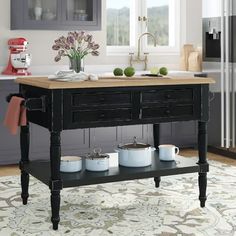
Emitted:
pixel 16 115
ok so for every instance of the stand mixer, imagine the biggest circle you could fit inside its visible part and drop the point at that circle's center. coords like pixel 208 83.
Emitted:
pixel 19 61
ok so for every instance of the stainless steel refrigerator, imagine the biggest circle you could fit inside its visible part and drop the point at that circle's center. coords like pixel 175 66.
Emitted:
pixel 219 55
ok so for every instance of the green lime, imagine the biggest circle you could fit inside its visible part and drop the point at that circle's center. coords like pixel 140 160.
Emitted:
pixel 118 72
pixel 129 71
pixel 163 71
pixel 154 70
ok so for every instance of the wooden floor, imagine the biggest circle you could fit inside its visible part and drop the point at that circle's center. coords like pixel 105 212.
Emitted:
pixel 13 169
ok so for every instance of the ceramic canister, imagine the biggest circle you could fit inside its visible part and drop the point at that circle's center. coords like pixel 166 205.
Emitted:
pixel 97 161
pixel 135 154
pixel 71 164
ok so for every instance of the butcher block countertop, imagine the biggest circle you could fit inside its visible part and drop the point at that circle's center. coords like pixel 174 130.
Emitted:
pixel 111 81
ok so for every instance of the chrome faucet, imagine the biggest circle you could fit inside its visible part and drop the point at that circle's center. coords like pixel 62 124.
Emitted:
pixel 138 59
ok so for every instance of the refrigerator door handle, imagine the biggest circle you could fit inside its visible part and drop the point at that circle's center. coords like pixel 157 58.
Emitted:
pixel 222 74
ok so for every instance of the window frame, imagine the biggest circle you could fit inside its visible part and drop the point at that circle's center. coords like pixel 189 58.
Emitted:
pixel 137 9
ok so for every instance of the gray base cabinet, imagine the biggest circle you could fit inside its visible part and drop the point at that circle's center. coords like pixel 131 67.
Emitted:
pixel 9 145
pixel 181 134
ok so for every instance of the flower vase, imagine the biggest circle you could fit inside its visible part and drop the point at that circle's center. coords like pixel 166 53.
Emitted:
pixel 77 64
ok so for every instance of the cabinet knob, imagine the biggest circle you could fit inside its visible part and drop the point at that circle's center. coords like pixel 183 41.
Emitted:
pixel 168 96
pixel 167 112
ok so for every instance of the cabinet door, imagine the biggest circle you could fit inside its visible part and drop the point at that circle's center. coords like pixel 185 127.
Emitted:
pixel 106 138
pixel 73 142
pixel 82 13
pixel 139 131
pixel 10 144
pixel 110 137
pixel 181 134
pixel 41 14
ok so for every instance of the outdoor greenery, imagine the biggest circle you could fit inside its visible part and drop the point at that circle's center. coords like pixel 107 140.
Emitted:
pixel 118 25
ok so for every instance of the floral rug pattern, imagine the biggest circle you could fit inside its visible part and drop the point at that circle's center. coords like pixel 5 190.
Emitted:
pixel 132 208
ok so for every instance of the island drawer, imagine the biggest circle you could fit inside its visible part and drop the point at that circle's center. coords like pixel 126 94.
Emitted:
pixel 98 98
pixel 172 110
pixel 84 116
pixel 166 95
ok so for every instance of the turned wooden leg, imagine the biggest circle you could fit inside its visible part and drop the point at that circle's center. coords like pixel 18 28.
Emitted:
pixel 202 149
pixel 156 138
pixel 24 145
pixel 202 182
pixel 55 183
pixel 156 135
pixel 157 181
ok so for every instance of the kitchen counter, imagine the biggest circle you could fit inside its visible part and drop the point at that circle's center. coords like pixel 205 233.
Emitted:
pixel 7 77
pixel 111 81
pixel 50 70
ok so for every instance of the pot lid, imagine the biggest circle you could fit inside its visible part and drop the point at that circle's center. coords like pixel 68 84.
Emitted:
pixel 134 145
pixel 97 154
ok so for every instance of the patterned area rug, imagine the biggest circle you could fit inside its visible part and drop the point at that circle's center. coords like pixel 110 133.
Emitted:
pixel 131 208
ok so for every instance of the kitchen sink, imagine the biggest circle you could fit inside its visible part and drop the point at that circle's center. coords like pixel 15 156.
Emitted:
pixel 152 75
pixel 135 78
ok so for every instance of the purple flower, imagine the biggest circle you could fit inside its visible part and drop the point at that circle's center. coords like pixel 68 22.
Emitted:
pixel 90 45
pixel 88 38
pixel 75 44
pixel 56 47
pixel 57 58
pixel 67 47
pixel 76 35
pixel 95 46
pixel 95 53
pixel 81 36
pixel 61 53
pixel 62 39
pixel 70 39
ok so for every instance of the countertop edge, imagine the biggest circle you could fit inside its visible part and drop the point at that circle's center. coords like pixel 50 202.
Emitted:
pixel 147 81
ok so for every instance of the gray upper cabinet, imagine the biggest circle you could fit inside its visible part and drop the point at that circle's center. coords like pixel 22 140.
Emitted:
pixel 56 14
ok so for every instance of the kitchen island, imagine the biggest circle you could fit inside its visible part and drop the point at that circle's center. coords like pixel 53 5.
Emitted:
pixel 110 101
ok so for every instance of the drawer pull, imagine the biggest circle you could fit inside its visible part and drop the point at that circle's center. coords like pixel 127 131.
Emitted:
pixel 31 104
pixel 102 99
pixel 102 115
pixel 167 112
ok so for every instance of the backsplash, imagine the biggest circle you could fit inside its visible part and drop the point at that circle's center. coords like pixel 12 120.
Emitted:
pixel 40 41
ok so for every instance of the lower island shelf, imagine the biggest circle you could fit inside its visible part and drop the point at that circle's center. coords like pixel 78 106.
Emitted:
pixel 182 165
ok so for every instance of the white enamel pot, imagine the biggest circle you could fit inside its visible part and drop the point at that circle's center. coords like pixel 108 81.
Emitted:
pixel 70 164
pixel 135 154
pixel 97 161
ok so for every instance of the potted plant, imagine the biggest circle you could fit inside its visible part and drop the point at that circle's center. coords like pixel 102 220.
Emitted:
pixel 75 46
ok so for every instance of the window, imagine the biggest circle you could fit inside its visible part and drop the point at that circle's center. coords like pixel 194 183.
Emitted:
pixel 128 19
pixel 158 20
pixel 118 23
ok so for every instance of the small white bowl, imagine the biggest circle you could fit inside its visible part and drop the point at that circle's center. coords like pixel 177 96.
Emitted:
pixel 71 164
pixel 97 164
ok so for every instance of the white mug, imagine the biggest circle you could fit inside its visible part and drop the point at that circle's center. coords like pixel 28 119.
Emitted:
pixel 38 13
pixel 167 152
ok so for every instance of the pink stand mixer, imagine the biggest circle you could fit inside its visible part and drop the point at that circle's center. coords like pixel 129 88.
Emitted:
pixel 19 61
